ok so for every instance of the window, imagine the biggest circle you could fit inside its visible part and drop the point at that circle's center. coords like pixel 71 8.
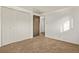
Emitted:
pixel 66 26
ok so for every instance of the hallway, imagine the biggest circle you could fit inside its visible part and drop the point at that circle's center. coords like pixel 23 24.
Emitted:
pixel 40 44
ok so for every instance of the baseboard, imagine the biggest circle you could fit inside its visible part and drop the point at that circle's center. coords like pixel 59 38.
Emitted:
pixel 57 38
pixel 16 41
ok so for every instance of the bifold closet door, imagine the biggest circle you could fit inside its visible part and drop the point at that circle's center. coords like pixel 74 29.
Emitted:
pixel 15 25
pixel 8 25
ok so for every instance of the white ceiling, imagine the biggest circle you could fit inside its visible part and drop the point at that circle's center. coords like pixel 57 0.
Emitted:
pixel 43 9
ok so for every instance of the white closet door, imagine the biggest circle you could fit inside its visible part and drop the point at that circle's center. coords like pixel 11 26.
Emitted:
pixel 8 25
pixel 15 25
pixel 22 25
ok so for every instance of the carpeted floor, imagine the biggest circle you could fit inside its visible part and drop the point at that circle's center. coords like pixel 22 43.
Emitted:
pixel 40 44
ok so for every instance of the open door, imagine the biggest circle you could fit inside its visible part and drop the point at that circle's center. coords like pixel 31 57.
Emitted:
pixel 36 25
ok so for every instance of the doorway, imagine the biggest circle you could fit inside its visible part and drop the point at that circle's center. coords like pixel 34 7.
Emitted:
pixel 42 25
pixel 36 25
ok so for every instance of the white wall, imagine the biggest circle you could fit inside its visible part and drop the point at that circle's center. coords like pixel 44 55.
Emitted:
pixel 0 26
pixel 16 25
pixel 42 24
pixel 54 21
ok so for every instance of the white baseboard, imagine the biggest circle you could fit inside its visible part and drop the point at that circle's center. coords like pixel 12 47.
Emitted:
pixel 57 38
pixel 16 41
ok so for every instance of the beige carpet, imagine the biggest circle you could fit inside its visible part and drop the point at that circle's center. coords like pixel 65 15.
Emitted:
pixel 40 44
